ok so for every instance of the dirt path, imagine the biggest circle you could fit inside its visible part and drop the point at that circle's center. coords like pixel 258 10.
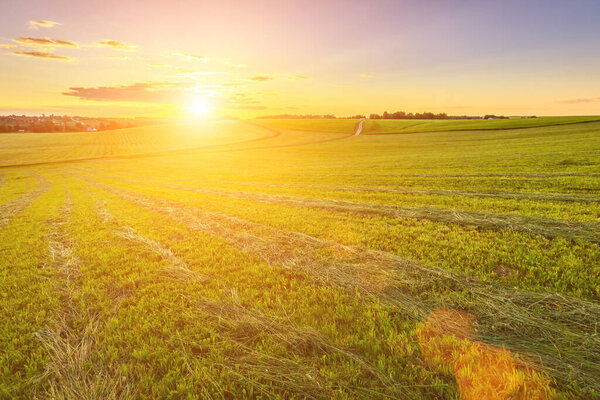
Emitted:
pixel 359 127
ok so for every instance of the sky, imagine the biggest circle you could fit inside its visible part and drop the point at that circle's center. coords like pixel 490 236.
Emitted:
pixel 169 58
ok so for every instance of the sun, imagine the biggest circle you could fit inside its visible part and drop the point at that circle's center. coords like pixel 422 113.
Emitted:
pixel 198 107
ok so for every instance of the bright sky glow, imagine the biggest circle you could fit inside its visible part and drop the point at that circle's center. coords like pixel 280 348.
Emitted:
pixel 118 58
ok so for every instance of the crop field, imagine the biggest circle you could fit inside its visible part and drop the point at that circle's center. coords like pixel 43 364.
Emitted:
pixel 276 259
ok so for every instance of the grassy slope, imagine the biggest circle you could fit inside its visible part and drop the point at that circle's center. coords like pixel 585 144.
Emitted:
pixel 413 126
pixel 18 148
pixel 314 125
pixel 250 306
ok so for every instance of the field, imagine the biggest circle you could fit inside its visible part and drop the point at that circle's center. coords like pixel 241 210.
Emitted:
pixel 291 259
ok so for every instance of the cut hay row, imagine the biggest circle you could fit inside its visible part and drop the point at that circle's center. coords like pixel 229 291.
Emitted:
pixel 546 227
pixel 558 197
pixel 245 326
pixel 177 267
pixel 16 206
pixel 538 196
pixel 544 327
pixel 70 337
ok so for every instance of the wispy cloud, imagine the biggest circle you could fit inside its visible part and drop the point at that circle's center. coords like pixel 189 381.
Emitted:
pixel 43 24
pixel 117 45
pixel 31 41
pixel 261 78
pixel 41 54
pixel 365 75
pixel 8 46
pixel 298 77
pixel 161 92
pixel 190 57
pixel 581 100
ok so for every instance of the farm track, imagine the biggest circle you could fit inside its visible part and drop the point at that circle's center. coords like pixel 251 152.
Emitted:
pixel 534 324
pixel 230 316
pixel 546 227
pixel 16 206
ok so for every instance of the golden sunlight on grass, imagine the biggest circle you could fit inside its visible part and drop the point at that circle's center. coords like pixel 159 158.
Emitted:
pixel 446 339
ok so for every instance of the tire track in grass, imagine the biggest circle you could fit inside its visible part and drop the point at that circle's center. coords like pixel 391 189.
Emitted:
pixel 16 206
pixel 233 316
pixel 547 328
pixel 71 336
pixel 546 227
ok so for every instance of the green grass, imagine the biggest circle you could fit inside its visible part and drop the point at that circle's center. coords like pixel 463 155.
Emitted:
pixel 306 264
pixel 414 126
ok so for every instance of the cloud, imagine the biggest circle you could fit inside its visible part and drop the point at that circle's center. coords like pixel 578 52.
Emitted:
pixel 261 78
pixel 8 46
pixel 117 45
pixel 298 77
pixel 43 24
pixel 161 92
pixel 159 65
pixel 41 54
pixel 365 75
pixel 581 101
pixel 190 57
pixel 29 41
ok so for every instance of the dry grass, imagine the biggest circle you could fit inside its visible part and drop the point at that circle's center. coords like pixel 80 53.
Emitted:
pixel 177 266
pixel 431 192
pixel 547 329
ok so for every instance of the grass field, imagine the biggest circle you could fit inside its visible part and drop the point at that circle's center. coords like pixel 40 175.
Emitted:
pixel 290 259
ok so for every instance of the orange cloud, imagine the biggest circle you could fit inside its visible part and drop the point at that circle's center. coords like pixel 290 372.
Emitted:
pixel 43 24
pixel 45 42
pixel 261 78
pixel 189 57
pixel 41 54
pixel 117 45
pixel 160 92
